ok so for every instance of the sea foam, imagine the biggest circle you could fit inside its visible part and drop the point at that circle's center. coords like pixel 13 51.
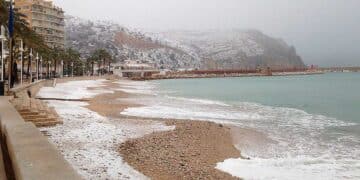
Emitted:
pixel 303 145
pixel 301 167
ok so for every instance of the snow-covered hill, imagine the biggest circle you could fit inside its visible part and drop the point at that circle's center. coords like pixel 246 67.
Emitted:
pixel 234 48
pixel 123 43
pixel 182 49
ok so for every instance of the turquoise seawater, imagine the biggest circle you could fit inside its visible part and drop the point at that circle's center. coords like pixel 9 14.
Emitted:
pixel 308 126
pixel 333 94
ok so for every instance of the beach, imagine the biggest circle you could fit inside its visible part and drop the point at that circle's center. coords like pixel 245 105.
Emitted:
pixel 101 143
pixel 207 128
pixel 190 151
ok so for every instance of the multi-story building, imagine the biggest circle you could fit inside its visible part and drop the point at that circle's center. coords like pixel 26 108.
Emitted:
pixel 46 19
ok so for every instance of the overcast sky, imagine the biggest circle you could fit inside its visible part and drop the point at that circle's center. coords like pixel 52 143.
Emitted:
pixel 324 32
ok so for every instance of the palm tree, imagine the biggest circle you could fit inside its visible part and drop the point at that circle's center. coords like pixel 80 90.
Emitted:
pixel 72 58
pixel 55 55
pixel 90 64
pixel 22 31
pixel 109 61
pixel 101 56
pixel 3 12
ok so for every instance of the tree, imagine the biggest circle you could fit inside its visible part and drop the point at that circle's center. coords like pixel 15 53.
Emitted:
pixel 90 64
pixel 73 61
pixel 22 31
pixel 102 57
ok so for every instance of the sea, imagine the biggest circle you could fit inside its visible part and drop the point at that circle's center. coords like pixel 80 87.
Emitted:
pixel 310 124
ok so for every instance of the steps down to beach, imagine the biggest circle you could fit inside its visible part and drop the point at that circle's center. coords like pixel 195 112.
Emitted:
pixel 25 153
pixel 34 110
pixel 37 112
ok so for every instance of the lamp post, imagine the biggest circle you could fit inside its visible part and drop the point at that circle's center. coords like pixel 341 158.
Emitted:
pixel 2 38
pixel 41 68
pixel 30 61
pixel 49 73
pixel 37 66
pixel 72 69
pixel 62 68
pixel 21 59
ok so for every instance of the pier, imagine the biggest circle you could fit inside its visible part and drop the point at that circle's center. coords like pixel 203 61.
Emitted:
pixel 342 69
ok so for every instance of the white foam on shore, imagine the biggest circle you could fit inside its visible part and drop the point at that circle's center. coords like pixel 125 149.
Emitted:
pixel 73 90
pixel 200 101
pixel 159 111
pixel 303 145
pixel 136 91
pixel 137 87
pixel 90 141
pixel 316 168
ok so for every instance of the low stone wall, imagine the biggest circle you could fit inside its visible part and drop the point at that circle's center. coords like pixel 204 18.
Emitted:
pixel 26 153
pixel 31 89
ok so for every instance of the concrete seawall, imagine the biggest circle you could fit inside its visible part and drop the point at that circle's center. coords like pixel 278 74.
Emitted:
pixel 25 152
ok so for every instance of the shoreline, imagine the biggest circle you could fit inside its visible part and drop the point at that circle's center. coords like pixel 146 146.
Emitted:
pixel 230 75
pixel 139 146
pixel 88 139
pixel 79 143
pixel 162 155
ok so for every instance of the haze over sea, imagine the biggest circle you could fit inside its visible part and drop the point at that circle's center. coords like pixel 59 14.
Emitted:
pixel 311 124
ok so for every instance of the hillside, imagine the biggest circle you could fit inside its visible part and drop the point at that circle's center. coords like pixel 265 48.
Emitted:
pixel 235 49
pixel 86 36
pixel 182 49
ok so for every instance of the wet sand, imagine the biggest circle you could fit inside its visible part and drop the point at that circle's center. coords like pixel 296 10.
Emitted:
pixel 108 104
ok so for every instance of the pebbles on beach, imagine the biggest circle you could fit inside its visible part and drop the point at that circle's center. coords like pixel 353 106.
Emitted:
pixel 190 151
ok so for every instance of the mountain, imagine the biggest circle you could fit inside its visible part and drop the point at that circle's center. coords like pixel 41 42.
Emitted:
pixel 182 49
pixel 123 44
pixel 235 49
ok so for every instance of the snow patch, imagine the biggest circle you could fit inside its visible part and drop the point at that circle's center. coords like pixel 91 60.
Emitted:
pixel 88 140
pixel 73 90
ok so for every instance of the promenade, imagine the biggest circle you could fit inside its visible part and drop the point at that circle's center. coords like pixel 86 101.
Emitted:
pixel 25 152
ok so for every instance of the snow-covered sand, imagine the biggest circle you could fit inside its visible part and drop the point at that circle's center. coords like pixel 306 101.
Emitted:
pixel 73 90
pixel 88 140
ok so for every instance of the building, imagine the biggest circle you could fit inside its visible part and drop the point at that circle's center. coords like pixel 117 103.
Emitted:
pixel 45 19
pixel 134 68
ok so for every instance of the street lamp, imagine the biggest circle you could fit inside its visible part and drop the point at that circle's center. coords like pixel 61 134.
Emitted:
pixel 62 68
pixel 49 73
pixel 41 67
pixel 30 61
pixel 21 59
pixel 72 69
pixel 3 39
pixel 37 66
pixel 103 70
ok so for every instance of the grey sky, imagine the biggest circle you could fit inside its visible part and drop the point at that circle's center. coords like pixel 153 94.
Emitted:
pixel 325 32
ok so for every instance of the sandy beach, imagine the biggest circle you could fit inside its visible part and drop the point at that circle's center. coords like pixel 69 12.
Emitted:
pixel 190 151
pixel 103 144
